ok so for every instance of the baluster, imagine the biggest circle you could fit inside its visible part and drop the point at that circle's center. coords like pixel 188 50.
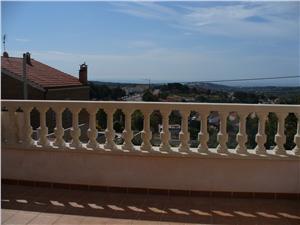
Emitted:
pixel 280 137
pixel 43 129
pixel 261 137
pixel 92 132
pixel 28 141
pixel 165 134
pixel 75 130
pixel 13 132
pixel 59 130
pixel 19 117
pixel 242 137
pixel 296 149
pixel 184 135
pixel 4 126
pixel 203 136
pixel 146 134
pixel 109 132
pixel 127 132
pixel 222 135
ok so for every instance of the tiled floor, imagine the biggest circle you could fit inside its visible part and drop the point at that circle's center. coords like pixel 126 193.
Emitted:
pixel 35 205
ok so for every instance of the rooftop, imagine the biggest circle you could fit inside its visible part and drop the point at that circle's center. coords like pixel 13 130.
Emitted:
pixel 38 73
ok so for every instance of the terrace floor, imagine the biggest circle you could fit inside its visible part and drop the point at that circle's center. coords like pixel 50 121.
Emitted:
pixel 41 205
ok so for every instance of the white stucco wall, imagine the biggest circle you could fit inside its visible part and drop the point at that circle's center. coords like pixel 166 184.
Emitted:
pixel 171 172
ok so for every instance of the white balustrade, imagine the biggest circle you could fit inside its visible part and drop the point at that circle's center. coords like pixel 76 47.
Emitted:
pixel 222 135
pixel 241 137
pixel 127 132
pixel 280 137
pixel 59 130
pixel 92 132
pixel 109 132
pixel 296 149
pixel 260 137
pixel 203 135
pixel 75 130
pixel 13 127
pixel 14 132
pixel 43 129
pixel 165 134
pixel 4 127
pixel 146 132
pixel 184 135
pixel 28 141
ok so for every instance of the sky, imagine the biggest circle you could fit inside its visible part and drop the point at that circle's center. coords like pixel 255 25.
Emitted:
pixel 161 41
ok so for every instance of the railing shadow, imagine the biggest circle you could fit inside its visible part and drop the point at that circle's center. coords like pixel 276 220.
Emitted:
pixel 185 209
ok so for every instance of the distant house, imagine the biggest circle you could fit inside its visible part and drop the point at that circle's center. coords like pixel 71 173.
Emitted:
pixel 173 128
pixel 43 81
pixel 135 89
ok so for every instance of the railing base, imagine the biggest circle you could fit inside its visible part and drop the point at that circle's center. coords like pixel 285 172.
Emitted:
pixel 168 172
pixel 146 191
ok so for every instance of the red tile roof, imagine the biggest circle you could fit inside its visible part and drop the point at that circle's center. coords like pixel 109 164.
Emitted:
pixel 39 73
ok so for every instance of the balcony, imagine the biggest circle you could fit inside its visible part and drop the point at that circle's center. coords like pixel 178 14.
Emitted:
pixel 38 150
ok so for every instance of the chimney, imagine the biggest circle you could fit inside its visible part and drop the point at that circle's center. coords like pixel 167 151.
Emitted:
pixel 28 58
pixel 83 74
pixel 5 55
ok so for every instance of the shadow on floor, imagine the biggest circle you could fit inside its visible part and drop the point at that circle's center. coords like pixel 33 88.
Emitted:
pixel 182 209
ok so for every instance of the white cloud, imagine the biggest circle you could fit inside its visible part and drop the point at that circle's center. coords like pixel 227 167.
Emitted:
pixel 22 40
pixel 240 19
pixel 142 44
pixel 148 10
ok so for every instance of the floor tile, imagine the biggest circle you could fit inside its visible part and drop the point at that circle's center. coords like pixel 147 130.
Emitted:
pixel 45 219
pixel 42 205
pixel 21 218
pixel 6 214
pixel 69 219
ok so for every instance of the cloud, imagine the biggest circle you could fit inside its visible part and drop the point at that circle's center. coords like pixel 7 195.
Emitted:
pixel 147 10
pixel 239 19
pixel 22 40
pixel 142 44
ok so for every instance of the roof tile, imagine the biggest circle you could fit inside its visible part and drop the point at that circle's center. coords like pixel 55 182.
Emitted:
pixel 39 73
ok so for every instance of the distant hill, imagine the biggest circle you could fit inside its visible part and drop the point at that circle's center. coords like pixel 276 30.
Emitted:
pixel 216 87
pixel 260 89
pixel 211 86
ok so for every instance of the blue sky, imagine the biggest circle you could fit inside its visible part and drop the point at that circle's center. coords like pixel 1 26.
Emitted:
pixel 163 41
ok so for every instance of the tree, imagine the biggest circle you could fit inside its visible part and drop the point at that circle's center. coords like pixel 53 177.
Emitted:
pixel 245 97
pixel 117 93
pixel 137 120
pixel 271 129
pixel 149 97
pixel 155 120
pixel 251 129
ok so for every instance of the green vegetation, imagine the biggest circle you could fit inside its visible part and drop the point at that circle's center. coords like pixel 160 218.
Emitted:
pixel 104 92
pixel 149 97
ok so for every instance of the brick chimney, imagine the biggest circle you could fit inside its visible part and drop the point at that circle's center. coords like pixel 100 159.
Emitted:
pixel 27 58
pixel 5 55
pixel 83 74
